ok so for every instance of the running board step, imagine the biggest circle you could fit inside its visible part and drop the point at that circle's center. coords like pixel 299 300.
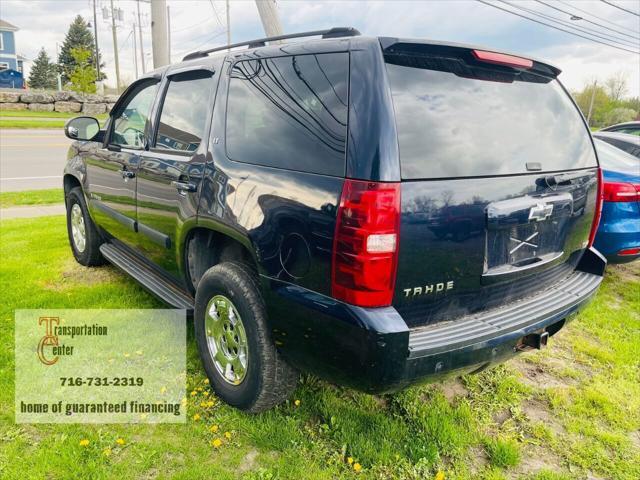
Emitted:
pixel 151 280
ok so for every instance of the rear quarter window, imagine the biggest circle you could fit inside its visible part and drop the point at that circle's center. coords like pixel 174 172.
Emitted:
pixel 451 126
pixel 290 112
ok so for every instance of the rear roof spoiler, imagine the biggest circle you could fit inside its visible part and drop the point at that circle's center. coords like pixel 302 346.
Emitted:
pixel 392 45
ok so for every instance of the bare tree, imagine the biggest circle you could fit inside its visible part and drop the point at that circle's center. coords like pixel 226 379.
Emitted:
pixel 616 85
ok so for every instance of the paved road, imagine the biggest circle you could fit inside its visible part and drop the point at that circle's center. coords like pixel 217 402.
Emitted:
pixel 32 159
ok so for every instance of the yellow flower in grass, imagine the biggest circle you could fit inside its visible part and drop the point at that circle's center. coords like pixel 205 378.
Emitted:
pixel 163 390
pixel 213 428
pixel 357 467
pixel 217 443
pixel 199 389
pixel 350 460
pixel 206 393
pixel 138 352
pixel 209 404
pixel 120 441
pixel 206 381
pixel 196 417
pixel 203 404
pixel 194 393
pixel 227 435
pixel 297 403
pixel 84 442
pixel 106 452
pixel 126 354
pixel 439 475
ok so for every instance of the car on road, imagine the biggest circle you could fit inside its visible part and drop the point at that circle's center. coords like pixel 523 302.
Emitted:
pixel 618 236
pixel 623 141
pixel 318 205
pixel 631 128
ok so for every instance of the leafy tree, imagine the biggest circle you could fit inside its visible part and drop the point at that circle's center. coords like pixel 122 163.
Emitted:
pixel 43 72
pixel 601 103
pixel 83 77
pixel 78 36
pixel 617 86
pixel 620 115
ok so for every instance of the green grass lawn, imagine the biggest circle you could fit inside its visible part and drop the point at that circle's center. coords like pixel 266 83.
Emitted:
pixel 569 412
pixel 31 197
pixel 29 119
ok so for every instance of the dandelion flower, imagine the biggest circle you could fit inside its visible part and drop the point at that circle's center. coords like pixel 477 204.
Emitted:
pixel 214 428
pixel 84 442
pixel 227 435
pixel 199 389
pixel 357 467
pixel 439 475
pixel 126 354
pixel 163 389
pixel 209 403
pixel 193 393
pixel 297 403
pixel 206 381
pixel 216 443
pixel 203 404
pixel 106 452
pixel 120 441
pixel 350 460
pixel 196 417
pixel 206 394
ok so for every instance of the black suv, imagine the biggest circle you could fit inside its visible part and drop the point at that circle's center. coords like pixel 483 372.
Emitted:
pixel 376 211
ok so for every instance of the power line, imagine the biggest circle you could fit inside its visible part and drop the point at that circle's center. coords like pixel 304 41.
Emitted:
pixel 589 21
pixel 620 8
pixel 588 31
pixel 557 28
pixel 599 18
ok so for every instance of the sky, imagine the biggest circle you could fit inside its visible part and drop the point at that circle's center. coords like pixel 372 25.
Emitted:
pixel 197 24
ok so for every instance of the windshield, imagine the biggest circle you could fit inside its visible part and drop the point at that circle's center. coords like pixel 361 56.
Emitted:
pixel 612 158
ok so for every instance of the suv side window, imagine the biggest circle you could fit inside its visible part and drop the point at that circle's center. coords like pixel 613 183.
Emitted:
pixel 290 112
pixel 129 126
pixel 184 112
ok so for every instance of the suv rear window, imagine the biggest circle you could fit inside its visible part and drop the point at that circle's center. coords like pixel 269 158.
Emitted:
pixel 452 126
pixel 290 112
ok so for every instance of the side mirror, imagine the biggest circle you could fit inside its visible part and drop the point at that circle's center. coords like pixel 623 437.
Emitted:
pixel 82 128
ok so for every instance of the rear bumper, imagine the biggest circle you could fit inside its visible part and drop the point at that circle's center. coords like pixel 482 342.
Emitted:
pixel 373 349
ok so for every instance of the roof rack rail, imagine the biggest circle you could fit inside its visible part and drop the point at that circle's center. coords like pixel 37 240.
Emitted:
pixel 335 32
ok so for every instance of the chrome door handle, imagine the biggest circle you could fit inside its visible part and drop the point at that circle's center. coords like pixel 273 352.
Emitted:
pixel 184 187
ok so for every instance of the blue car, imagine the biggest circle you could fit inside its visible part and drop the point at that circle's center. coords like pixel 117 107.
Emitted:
pixel 618 236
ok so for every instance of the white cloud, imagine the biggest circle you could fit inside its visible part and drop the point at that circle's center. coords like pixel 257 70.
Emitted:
pixel 200 23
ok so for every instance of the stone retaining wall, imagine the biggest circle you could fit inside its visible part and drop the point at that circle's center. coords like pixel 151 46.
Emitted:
pixel 89 104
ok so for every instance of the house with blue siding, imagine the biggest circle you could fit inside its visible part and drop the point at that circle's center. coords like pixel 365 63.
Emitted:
pixel 9 59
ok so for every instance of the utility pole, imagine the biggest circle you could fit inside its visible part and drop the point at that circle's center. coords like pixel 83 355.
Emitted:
pixel 95 37
pixel 269 16
pixel 159 33
pixel 115 47
pixel 593 96
pixel 135 50
pixel 168 33
pixel 228 25
pixel 144 68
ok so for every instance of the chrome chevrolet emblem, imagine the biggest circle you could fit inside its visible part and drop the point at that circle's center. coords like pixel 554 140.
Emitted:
pixel 540 211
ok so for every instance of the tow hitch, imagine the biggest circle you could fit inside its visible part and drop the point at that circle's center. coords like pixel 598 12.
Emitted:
pixel 536 341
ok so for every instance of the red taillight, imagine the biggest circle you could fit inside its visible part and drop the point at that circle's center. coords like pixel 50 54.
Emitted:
pixel 621 192
pixel 630 251
pixel 365 245
pixel 502 59
pixel 598 210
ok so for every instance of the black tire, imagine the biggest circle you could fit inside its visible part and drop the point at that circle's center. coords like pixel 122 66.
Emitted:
pixel 90 256
pixel 268 380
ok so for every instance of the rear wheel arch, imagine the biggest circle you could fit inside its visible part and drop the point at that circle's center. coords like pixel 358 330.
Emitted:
pixel 205 247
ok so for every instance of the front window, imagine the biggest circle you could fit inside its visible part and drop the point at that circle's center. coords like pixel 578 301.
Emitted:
pixel 130 124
